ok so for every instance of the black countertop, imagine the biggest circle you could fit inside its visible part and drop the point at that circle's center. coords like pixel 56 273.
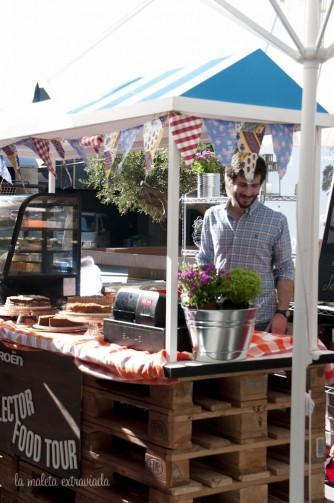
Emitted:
pixel 188 369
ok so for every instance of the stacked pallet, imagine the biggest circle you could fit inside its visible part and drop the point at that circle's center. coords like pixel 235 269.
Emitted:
pixel 223 438
pixel 8 472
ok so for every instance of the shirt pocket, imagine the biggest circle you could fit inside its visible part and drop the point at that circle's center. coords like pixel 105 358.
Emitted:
pixel 263 247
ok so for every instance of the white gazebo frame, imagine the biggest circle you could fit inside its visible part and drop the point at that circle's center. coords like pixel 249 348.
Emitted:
pixel 306 280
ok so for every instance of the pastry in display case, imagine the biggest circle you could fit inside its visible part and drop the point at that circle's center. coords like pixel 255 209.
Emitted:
pixel 40 242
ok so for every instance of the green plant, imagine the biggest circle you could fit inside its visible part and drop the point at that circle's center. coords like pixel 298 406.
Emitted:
pixel 135 188
pixel 201 284
pixel 207 162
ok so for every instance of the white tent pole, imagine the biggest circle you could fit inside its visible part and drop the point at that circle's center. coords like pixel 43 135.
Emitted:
pixel 306 287
pixel 323 27
pixel 172 248
pixel 51 183
pixel 259 30
pixel 293 35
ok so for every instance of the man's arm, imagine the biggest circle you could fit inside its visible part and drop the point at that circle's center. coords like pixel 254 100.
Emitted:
pixel 279 322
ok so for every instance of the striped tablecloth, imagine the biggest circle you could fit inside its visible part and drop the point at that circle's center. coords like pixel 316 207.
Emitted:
pixel 110 360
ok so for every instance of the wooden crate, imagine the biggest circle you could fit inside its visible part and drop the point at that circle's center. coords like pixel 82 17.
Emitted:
pixel 8 496
pixel 197 441
pixel 38 485
pixel 281 489
pixel 244 388
pixel 8 471
pixel 142 418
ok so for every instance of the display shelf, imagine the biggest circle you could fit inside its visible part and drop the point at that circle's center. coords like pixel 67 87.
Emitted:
pixel 45 227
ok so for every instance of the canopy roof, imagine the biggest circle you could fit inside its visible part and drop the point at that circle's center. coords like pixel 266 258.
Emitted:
pixel 252 87
pixel 253 79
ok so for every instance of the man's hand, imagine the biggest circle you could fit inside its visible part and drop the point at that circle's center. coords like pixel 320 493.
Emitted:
pixel 278 324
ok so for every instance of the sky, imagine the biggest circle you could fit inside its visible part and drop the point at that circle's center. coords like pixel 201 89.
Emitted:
pixel 79 49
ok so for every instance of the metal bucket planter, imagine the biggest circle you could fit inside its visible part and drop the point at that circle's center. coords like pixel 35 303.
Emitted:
pixel 208 184
pixel 220 334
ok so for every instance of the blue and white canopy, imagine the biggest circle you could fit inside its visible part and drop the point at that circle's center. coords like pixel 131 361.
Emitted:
pixel 254 79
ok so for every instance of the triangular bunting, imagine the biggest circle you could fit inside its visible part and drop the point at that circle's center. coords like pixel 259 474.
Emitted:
pixel 92 141
pixel 110 146
pixel 11 153
pixel 75 144
pixel 126 141
pixel 282 135
pixel 152 134
pixel 186 131
pixel 59 148
pixel 249 139
pixel 222 135
pixel 43 149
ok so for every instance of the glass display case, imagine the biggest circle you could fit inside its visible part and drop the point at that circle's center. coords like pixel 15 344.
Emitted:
pixel 40 241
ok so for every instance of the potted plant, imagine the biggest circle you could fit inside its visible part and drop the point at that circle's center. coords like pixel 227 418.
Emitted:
pixel 135 188
pixel 208 169
pixel 219 309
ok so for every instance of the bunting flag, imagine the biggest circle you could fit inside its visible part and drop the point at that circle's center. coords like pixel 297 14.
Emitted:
pixel 92 141
pixel 249 139
pixel 282 135
pixel 59 148
pixel 43 149
pixel 222 135
pixel 4 173
pixel 126 141
pixel 187 132
pixel 152 134
pixel 11 153
pixel 110 146
pixel 29 143
pixel 75 144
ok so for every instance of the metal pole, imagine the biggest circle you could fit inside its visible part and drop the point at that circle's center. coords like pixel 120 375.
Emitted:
pixel 306 285
pixel 172 248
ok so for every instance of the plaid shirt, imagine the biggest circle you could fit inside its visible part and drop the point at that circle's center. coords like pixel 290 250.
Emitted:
pixel 259 240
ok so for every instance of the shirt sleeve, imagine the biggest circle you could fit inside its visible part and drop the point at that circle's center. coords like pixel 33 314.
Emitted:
pixel 284 267
pixel 206 251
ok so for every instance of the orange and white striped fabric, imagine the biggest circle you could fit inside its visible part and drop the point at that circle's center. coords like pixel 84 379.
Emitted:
pixel 95 356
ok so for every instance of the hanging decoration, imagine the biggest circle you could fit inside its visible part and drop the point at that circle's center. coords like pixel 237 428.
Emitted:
pixel 152 135
pixel 249 139
pixel 75 144
pixel 92 141
pixel 11 153
pixel 110 146
pixel 59 148
pixel 126 140
pixel 282 135
pixel 187 132
pixel 4 172
pixel 222 135
pixel 43 149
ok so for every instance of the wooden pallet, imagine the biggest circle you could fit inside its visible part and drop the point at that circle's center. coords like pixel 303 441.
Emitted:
pixel 38 485
pixel 8 471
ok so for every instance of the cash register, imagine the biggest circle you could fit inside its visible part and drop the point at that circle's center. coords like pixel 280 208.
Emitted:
pixel 139 321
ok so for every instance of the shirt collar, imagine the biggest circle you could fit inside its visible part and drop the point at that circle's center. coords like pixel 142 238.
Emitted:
pixel 249 211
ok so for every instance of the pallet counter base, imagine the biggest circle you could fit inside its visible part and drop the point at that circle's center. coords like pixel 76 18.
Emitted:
pixel 223 438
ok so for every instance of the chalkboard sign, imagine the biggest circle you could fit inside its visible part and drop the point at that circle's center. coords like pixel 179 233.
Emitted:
pixel 326 261
pixel 40 407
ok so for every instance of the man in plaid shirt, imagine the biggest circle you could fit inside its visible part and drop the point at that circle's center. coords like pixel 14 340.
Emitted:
pixel 245 233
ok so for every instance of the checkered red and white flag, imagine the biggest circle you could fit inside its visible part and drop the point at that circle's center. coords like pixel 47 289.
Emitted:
pixel 43 149
pixel 59 148
pixel 92 141
pixel 186 130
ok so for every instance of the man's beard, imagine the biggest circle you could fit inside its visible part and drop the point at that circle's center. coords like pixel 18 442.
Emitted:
pixel 245 206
